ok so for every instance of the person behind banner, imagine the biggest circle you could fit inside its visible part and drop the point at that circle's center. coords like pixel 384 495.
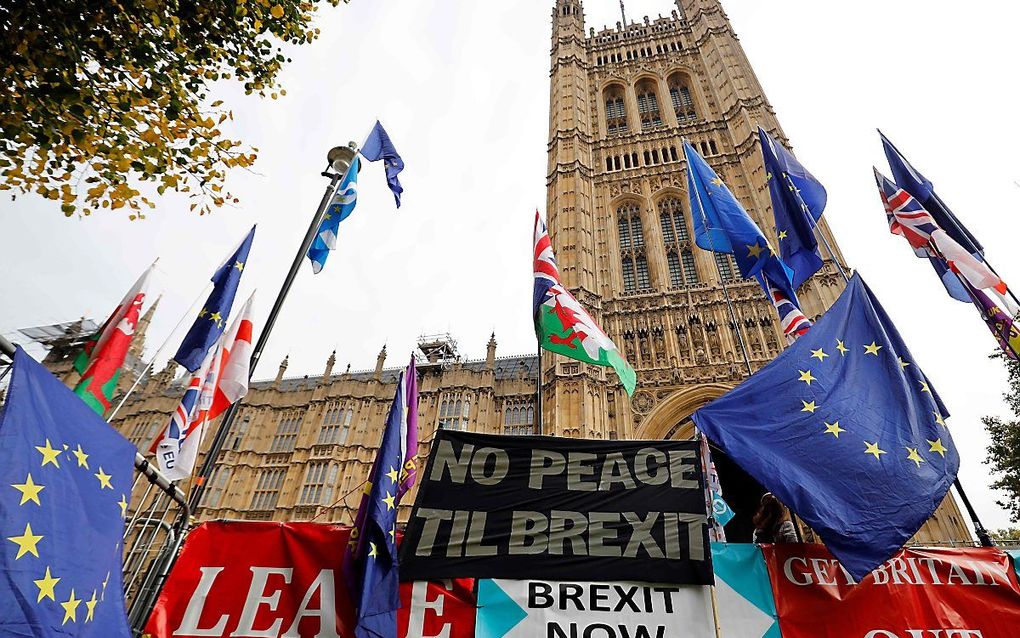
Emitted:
pixel 772 522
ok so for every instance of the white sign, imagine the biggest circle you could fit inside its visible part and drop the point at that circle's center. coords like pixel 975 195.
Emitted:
pixel 543 609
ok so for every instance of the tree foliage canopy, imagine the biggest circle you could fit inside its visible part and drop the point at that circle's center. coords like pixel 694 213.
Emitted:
pixel 101 100
pixel 1004 451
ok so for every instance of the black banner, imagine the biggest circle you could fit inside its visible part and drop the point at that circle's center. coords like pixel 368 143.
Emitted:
pixel 538 507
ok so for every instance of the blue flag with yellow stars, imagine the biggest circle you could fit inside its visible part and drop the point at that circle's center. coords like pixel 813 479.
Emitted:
pixel 212 318
pixel 379 146
pixel 65 481
pixel 370 564
pixel 798 200
pixel 845 429
pixel 722 225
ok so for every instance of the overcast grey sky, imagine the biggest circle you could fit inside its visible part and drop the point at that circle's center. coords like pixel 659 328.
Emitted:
pixel 463 89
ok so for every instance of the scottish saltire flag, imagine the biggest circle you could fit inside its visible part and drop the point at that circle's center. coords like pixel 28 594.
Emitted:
pixel 722 225
pixel 798 200
pixel 911 180
pixel 377 147
pixel 562 325
pixel 101 360
pixel 339 209
pixel 791 318
pixel 854 427
pixel 65 481
pixel 908 218
pixel 370 564
pixel 212 319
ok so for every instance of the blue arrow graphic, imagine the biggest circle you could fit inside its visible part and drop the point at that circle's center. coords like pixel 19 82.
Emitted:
pixel 498 613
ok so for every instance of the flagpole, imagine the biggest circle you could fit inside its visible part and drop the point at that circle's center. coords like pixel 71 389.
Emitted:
pixel 982 533
pixel 228 417
pixel 538 393
pixel 187 314
pixel 722 280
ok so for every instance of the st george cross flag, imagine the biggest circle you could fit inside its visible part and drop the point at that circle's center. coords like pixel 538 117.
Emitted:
pixel 344 201
pixel 101 361
pixel 846 430
pixel 370 565
pixel 562 325
pixel 377 147
pixel 798 200
pixel 908 218
pixel 722 225
pixel 912 181
pixel 212 319
pixel 211 390
pixel 66 478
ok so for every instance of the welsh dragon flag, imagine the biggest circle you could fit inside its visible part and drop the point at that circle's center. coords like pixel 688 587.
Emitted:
pixel 100 362
pixel 562 325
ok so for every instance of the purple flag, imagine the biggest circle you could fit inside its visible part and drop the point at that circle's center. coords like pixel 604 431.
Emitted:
pixel 410 470
pixel 998 321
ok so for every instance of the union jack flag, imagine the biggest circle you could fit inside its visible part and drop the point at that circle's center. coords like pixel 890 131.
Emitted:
pixel 906 216
pixel 189 417
pixel 791 318
pixel 547 274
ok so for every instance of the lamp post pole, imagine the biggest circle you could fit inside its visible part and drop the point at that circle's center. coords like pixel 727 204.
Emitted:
pixel 340 160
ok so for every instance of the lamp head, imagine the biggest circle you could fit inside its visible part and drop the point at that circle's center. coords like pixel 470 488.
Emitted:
pixel 341 157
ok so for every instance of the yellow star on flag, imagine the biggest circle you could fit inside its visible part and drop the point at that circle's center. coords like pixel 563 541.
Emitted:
pixel 833 429
pixel 46 586
pixel 393 534
pixel 373 551
pixel 717 181
pixel 71 609
pixel 327 216
pixel 938 418
pixel 215 317
pixel 819 354
pixel 49 455
pixel 203 312
pixel 904 364
pixel 239 265
pixel 924 387
pixel 29 491
pixel 806 377
pixel 392 474
pixel 90 606
pixel 842 347
pixel 872 448
pixel 755 250
pixel 104 479
pixel 809 407
pixel 389 501
pixel 937 447
pixel 872 348
pixel 123 506
pixel 783 235
pixel 914 456
pixel 26 542
pixel 83 459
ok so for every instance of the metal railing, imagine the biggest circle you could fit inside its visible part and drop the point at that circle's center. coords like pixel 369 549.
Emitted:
pixel 158 521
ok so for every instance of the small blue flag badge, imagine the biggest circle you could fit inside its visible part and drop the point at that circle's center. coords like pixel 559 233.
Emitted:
pixel 846 430
pixel 65 481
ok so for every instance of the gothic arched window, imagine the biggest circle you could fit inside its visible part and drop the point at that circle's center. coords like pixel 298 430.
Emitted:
pixel 676 236
pixel 728 270
pixel 616 111
pixel 680 97
pixel 632 248
pixel 648 105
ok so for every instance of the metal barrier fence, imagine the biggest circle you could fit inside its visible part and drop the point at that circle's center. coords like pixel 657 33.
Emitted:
pixel 156 526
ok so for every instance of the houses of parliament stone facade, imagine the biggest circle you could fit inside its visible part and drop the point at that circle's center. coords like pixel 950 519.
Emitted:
pixel 622 100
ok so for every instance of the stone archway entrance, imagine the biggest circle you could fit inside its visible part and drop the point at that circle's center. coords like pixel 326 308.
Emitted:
pixel 671 419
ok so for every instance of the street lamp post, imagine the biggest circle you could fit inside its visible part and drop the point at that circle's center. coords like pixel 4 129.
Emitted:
pixel 339 161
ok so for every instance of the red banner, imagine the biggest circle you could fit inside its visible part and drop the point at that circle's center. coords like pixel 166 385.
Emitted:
pixel 921 593
pixel 283 580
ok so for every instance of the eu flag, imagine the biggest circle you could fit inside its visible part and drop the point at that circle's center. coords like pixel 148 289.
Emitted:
pixel 377 147
pixel 212 319
pixel 798 200
pixel 911 180
pixel 65 481
pixel 370 565
pixel 722 225
pixel 846 430
pixel 339 209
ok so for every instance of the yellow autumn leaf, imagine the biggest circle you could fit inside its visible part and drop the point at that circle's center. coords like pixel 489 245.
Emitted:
pixel 276 11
